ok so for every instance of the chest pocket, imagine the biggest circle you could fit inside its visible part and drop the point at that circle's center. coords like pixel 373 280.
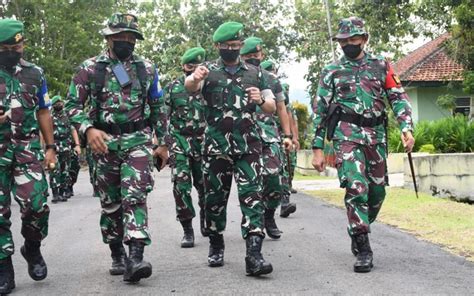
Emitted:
pixel 345 87
pixel 29 100
pixel 181 106
pixel 215 94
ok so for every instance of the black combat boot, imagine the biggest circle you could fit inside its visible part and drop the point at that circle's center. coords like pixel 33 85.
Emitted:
pixel 270 225
pixel 62 196
pixel 37 268
pixel 71 191
pixel 119 257
pixel 188 238
pixel 67 192
pixel 7 276
pixel 56 196
pixel 202 223
pixel 354 248
pixel 364 257
pixel 216 250
pixel 293 191
pixel 255 265
pixel 287 207
pixel 136 268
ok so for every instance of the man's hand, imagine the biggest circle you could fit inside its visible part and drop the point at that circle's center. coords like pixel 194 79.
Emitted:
pixel 96 140
pixel 288 144
pixel 50 159
pixel 162 152
pixel 200 73
pixel 77 148
pixel 408 141
pixel 318 160
pixel 296 144
pixel 254 95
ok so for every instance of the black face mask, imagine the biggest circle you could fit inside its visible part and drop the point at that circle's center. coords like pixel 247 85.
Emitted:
pixel 123 49
pixel 9 59
pixel 229 55
pixel 58 107
pixel 352 50
pixel 187 73
pixel 253 61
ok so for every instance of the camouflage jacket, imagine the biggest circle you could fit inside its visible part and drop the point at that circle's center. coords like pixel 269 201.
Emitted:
pixel 22 94
pixel 230 116
pixel 117 105
pixel 363 87
pixel 62 131
pixel 269 124
pixel 185 113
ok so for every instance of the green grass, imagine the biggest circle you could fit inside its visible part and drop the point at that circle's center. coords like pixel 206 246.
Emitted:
pixel 441 221
pixel 300 177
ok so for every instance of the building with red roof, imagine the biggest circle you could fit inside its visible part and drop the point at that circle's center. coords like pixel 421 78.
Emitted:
pixel 429 72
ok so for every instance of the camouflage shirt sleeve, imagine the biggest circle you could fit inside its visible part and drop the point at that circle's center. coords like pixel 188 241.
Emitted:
pixel 158 109
pixel 265 87
pixel 77 98
pixel 320 107
pixel 398 100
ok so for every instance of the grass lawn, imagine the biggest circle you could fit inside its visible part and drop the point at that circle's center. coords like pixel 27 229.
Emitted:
pixel 300 177
pixel 441 221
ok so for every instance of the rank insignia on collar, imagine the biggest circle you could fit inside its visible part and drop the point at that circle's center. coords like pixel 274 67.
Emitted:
pixel 396 79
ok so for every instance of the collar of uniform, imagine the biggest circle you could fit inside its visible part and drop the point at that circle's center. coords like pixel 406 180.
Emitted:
pixel 105 58
pixel 241 64
pixel 363 61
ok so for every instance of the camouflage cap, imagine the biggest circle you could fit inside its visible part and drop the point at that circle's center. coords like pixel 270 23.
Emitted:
pixel 251 45
pixel 228 31
pixel 11 31
pixel 349 27
pixel 195 55
pixel 122 22
pixel 56 99
pixel 268 65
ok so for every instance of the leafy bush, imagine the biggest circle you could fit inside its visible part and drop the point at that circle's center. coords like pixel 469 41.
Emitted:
pixel 447 135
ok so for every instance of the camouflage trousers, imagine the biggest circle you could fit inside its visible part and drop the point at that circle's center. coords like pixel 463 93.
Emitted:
pixel 218 171
pixel 187 171
pixel 362 171
pixel 293 155
pixel 60 178
pixel 26 182
pixel 271 172
pixel 284 177
pixel 92 171
pixel 74 167
pixel 124 178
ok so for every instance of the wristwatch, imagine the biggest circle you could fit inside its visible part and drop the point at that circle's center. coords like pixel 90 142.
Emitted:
pixel 51 146
pixel 263 102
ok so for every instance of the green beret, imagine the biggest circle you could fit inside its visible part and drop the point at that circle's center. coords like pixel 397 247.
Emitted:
pixel 56 99
pixel 228 31
pixel 251 45
pixel 267 65
pixel 11 31
pixel 195 55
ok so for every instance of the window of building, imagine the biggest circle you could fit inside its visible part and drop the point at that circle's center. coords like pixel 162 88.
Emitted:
pixel 463 106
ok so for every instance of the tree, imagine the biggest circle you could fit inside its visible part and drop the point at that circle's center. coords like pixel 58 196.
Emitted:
pixel 302 114
pixel 58 34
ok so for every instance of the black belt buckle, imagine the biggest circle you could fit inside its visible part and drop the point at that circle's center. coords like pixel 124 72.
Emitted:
pixel 115 129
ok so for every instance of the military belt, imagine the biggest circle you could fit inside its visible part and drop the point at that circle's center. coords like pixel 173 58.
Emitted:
pixel 360 120
pixel 124 128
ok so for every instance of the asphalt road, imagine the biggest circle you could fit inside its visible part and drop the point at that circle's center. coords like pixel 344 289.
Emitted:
pixel 312 257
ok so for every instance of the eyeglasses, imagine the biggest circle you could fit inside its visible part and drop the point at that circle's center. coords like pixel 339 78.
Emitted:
pixel 15 47
pixel 233 46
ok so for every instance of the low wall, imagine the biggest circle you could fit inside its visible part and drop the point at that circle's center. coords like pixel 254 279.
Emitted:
pixel 443 175
pixel 304 166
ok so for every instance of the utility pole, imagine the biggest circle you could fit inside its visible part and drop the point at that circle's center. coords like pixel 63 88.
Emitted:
pixel 328 18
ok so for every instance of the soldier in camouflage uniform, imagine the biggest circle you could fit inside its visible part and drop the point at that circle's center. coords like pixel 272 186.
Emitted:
pixel 121 92
pixel 75 166
pixel 231 92
pixel 350 109
pixel 286 207
pixel 60 179
pixel 186 131
pixel 24 111
pixel 268 127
